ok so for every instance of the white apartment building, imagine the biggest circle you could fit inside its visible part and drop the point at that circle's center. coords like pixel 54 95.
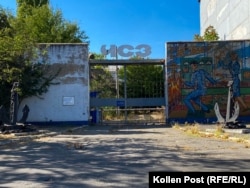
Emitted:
pixel 230 18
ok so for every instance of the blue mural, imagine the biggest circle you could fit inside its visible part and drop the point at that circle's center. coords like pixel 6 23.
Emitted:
pixel 198 74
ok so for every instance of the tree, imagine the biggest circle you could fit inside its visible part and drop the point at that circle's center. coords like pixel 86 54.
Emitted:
pixel 16 65
pixel 4 23
pixel 210 34
pixel 34 3
pixel 19 37
pixel 46 25
pixel 142 81
pixel 101 79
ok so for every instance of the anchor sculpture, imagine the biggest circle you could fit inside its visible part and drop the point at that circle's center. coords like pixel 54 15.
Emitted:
pixel 232 113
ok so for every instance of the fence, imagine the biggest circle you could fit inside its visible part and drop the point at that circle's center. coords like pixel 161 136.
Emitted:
pixel 131 116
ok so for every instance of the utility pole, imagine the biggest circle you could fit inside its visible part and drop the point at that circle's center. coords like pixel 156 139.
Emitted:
pixel 117 82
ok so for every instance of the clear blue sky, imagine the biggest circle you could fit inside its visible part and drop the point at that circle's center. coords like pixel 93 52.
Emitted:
pixel 132 22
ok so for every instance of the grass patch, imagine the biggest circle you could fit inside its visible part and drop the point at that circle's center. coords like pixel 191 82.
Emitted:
pixel 197 130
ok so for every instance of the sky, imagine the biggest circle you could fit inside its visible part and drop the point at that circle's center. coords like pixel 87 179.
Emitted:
pixel 130 22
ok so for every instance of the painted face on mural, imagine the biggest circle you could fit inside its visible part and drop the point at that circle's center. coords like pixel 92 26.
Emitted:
pixel 233 56
pixel 193 65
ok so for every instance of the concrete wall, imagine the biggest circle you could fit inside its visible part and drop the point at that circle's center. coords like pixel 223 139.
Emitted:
pixel 230 18
pixel 68 101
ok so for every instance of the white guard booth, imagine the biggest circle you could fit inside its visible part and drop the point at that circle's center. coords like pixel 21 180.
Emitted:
pixel 67 102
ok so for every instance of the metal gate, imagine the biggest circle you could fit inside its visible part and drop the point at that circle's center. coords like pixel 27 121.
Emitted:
pixel 127 91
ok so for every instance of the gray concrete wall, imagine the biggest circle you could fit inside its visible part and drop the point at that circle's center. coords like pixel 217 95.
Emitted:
pixel 67 101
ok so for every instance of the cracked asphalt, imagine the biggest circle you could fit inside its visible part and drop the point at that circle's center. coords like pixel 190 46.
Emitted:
pixel 104 156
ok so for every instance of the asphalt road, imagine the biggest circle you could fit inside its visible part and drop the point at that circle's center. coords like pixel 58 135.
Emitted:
pixel 101 156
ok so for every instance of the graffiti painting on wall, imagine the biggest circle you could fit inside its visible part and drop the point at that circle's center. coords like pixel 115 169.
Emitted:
pixel 198 74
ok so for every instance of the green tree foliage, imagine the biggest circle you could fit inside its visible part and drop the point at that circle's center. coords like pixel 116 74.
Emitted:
pixel 16 54
pixel 4 23
pixel 102 82
pixel 35 23
pixel 142 81
pixel 197 37
pixel 34 3
pixel 97 56
pixel 101 79
pixel 12 49
pixel 46 25
pixel 210 34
